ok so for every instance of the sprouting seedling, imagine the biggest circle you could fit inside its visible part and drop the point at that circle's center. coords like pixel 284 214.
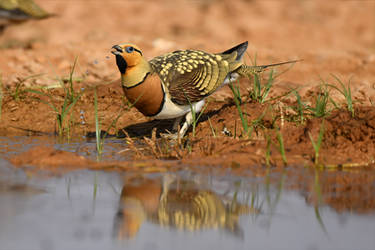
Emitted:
pixel 20 82
pixel 237 101
pixel 346 92
pixel 69 91
pixel 260 92
pixel 281 146
pixel 301 107
pixel 99 140
pixel 317 144
pixel 321 103
pixel 61 113
pixel 100 137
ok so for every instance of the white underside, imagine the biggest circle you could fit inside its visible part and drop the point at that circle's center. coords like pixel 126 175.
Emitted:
pixel 232 77
pixel 171 110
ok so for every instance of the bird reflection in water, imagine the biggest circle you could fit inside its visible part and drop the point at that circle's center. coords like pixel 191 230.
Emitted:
pixel 177 204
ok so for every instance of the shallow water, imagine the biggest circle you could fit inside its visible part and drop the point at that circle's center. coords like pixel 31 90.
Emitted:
pixel 184 210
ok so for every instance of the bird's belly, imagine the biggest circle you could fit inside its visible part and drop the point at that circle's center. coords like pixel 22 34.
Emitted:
pixel 171 110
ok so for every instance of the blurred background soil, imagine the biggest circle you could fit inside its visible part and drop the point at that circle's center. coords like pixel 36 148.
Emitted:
pixel 332 37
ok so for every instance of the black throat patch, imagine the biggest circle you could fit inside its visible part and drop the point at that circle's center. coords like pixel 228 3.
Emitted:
pixel 121 64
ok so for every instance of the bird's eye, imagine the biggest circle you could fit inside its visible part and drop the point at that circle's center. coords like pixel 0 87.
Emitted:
pixel 129 49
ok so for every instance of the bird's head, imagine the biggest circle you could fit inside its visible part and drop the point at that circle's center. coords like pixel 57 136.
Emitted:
pixel 127 56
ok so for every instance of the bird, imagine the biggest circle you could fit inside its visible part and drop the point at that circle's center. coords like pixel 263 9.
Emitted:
pixel 17 11
pixel 175 85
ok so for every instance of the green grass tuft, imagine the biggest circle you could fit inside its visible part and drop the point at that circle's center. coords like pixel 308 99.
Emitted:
pixel 318 143
pixel 281 147
pixel 321 103
pixel 70 100
pixel 301 107
pixel 260 92
pixel 237 101
pixel 99 140
pixel 346 92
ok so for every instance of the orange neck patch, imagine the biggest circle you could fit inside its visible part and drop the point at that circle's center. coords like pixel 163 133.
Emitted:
pixel 147 96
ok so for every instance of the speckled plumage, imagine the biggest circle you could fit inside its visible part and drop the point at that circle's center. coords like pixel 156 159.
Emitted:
pixel 185 79
pixel 191 75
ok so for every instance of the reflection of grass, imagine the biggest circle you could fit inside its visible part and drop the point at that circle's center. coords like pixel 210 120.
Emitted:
pixel 272 203
pixel 318 193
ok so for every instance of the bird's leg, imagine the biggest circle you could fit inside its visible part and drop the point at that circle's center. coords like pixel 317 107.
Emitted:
pixel 176 123
pixel 196 108
pixel 187 123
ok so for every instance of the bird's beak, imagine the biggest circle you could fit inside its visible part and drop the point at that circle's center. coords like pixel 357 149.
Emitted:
pixel 116 50
pixel 120 61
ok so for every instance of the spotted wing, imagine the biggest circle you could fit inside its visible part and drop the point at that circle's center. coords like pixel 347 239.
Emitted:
pixel 191 75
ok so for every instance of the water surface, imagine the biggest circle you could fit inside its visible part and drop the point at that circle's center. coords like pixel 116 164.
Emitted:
pixel 184 210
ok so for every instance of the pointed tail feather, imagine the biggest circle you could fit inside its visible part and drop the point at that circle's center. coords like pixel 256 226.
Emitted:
pixel 248 71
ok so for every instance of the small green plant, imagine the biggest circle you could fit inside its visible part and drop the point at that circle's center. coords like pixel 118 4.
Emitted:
pixel 99 140
pixel 260 92
pixel 69 91
pixel 237 101
pixel 70 100
pixel 318 143
pixel 281 146
pixel 61 113
pixel 321 103
pixel 301 107
pixel 16 94
pixel 346 92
